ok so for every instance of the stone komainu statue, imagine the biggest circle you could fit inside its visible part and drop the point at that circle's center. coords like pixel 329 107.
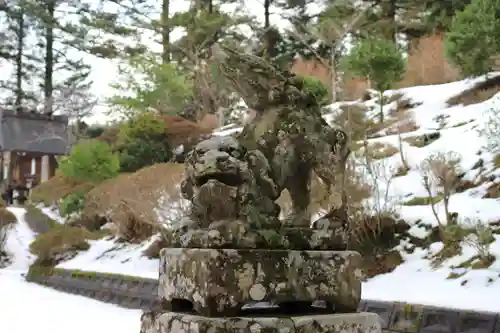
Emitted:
pixel 231 253
pixel 288 129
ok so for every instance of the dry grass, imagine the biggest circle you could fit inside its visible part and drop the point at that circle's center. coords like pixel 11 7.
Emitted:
pixel 403 104
pixel 401 171
pixel 379 150
pixel 493 192
pixel 420 141
pixel 354 88
pixel 352 118
pixel 61 243
pixel 6 217
pixel 427 63
pixel 182 131
pixel 401 122
pixel 129 201
pixel 322 199
pixel 56 188
pixel 312 68
pixel 477 94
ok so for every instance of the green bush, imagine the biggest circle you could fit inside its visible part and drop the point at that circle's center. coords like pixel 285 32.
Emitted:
pixel 72 203
pixel 378 60
pixel 142 142
pixel 90 161
pixel 316 88
pixel 474 37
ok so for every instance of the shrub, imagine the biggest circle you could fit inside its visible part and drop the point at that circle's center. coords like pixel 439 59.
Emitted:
pixel 490 130
pixel 474 37
pixel 479 93
pixel 441 173
pixel 61 243
pixel 479 238
pixel 374 237
pixel 90 161
pixel 142 142
pixel 73 203
pixel 378 60
pixel 422 140
pixel 316 88
pixel 7 218
pixel 53 190
pixel 352 117
pixel 379 150
pixel 131 201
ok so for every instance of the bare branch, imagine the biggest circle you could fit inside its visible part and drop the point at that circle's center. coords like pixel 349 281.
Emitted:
pixel 440 177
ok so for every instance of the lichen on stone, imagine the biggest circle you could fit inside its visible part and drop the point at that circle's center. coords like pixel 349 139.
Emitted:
pixel 232 251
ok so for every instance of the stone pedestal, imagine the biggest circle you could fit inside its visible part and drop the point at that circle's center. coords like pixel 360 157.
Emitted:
pixel 233 267
pixel 220 282
pixel 171 322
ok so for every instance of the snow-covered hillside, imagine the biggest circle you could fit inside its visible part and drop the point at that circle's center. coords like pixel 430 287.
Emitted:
pixel 416 280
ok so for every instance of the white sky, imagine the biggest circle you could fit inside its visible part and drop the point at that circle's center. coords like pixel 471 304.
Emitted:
pixel 105 72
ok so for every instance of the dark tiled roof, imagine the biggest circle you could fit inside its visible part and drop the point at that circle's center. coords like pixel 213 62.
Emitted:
pixel 33 133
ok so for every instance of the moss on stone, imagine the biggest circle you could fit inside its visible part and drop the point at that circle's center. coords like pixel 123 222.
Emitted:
pixel 41 270
pixel 423 201
pixel 36 215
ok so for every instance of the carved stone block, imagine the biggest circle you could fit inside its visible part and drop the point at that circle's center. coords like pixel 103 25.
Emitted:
pixel 217 282
pixel 172 322
pixel 238 234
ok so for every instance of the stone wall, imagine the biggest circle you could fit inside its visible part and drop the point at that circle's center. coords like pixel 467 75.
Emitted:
pixel 140 293
pixel 126 291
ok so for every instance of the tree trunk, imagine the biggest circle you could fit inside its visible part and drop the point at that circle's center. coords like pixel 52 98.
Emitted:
pixel 333 73
pixel 381 113
pixel 267 22
pixel 389 8
pixel 165 31
pixel 49 56
pixel 19 62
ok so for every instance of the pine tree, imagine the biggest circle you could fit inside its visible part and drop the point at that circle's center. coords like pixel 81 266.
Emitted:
pixel 474 37
pixel 17 53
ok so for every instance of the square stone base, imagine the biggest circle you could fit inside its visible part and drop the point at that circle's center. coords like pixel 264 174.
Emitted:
pixel 219 282
pixel 171 322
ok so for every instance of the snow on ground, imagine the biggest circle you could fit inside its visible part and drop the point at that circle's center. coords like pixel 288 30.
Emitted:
pixel 415 280
pixel 28 307
pixel 19 237
pixel 52 212
pixel 108 256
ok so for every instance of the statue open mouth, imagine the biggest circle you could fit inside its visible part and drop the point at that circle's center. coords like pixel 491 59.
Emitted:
pixel 226 178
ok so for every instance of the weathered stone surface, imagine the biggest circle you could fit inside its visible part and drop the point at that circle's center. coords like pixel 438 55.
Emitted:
pixel 238 234
pixel 224 181
pixel 221 281
pixel 335 323
pixel 288 128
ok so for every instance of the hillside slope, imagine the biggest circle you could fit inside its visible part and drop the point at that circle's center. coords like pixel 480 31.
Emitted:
pixel 457 280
